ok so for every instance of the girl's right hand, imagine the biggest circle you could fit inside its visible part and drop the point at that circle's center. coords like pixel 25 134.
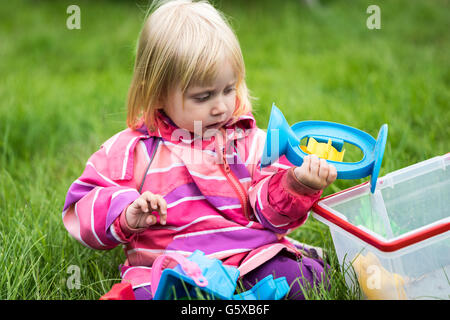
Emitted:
pixel 140 213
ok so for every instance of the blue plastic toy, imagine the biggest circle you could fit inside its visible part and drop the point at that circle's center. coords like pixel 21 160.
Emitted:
pixel 283 139
pixel 218 281
pixel 266 289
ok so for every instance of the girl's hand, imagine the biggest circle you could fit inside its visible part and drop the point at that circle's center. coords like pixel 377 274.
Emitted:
pixel 140 213
pixel 315 173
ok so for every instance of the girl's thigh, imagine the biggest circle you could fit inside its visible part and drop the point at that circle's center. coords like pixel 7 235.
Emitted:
pixel 304 273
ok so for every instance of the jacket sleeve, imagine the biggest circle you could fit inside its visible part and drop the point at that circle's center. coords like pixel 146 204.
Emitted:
pixel 94 202
pixel 280 202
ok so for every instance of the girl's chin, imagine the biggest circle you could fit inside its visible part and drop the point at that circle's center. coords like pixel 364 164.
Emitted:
pixel 210 132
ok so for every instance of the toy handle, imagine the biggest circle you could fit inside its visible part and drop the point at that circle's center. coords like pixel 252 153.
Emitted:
pixel 189 267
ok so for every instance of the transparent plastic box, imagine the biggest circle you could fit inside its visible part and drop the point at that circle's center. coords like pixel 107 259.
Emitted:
pixel 395 242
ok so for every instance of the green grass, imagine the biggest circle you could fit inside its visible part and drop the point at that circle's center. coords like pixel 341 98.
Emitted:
pixel 62 93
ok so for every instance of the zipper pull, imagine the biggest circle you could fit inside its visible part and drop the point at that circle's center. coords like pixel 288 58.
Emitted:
pixel 225 163
pixel 224 158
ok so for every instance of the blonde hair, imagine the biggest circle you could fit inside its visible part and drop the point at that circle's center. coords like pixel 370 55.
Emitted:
pixel 181 43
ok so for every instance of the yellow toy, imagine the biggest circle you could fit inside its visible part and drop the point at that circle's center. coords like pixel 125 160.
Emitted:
pixel 323 150
pixel 376 282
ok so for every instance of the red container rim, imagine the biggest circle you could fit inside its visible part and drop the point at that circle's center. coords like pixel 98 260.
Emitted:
pixel 385 246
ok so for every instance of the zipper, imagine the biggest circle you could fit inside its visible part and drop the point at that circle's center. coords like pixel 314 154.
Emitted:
pixel 237 186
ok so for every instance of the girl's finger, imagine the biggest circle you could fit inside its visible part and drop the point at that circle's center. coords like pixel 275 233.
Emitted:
pixel 147 197
pixel 332 174
pixel 154 202
pixel 151 219
pixel 141 204
pixel 158 204
pixel 323 169
pixel 162 210
pixel 307 163
pixel 315 164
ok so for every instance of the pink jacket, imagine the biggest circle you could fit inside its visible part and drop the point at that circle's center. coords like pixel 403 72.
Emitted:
pixel 218 202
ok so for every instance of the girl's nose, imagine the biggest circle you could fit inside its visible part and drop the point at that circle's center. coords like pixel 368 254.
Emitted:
pixel 219 107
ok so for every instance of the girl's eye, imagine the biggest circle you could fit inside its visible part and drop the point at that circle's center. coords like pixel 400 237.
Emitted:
pixel 203 97
pixel 229 90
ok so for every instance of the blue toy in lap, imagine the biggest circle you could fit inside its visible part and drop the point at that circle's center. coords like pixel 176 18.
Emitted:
pixel 199 274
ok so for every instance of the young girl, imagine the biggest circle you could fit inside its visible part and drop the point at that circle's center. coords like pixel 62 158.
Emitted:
pixel 185 174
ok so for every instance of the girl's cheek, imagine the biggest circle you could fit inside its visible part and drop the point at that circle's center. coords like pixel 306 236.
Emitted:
pixel 232 102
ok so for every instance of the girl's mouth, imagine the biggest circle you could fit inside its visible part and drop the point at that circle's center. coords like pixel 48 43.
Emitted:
pixel 216 125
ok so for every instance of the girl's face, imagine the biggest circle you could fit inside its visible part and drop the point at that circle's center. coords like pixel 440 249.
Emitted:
pixel 210 106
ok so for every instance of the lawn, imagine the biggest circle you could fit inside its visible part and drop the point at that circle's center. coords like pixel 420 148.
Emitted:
pixel 63 92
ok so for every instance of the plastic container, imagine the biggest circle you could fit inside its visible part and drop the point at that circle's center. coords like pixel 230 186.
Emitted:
pixel 397 240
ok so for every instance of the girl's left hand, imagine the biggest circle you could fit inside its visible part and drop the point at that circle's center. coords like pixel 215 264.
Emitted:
pixel 315 173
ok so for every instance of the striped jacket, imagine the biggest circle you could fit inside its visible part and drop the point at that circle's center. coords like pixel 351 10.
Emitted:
pixel 218 199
